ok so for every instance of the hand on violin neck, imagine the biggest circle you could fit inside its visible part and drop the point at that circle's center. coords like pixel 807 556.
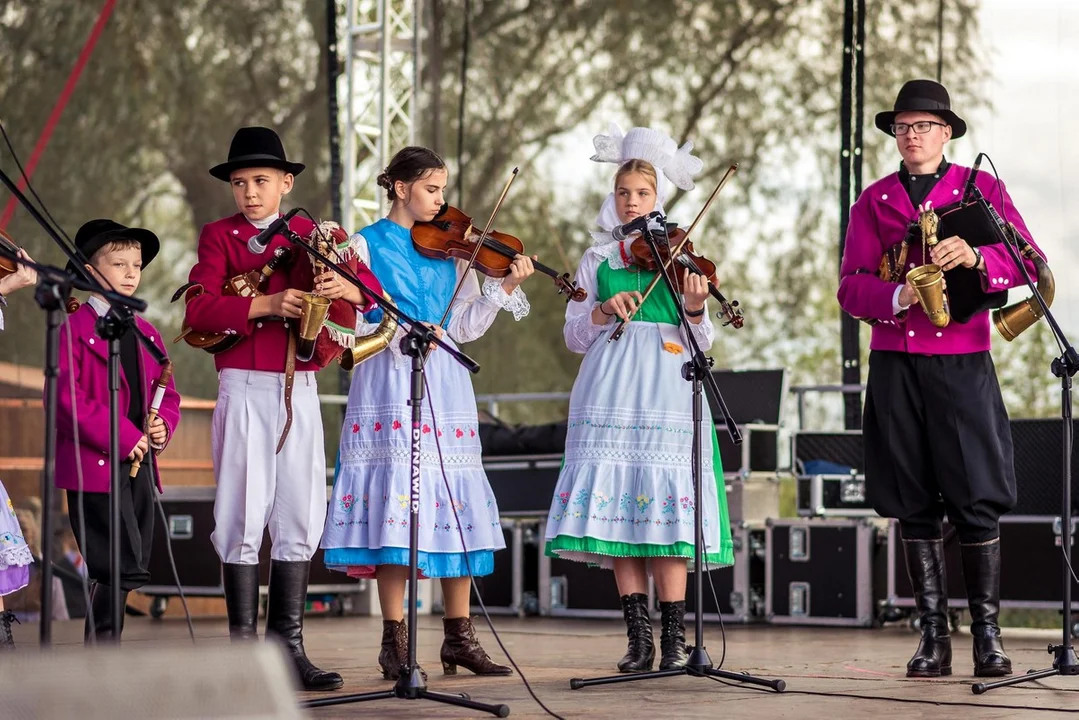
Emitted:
pixel 695 292
pixel 520 269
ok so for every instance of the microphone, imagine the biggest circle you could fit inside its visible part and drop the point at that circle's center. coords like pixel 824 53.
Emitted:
pixel 257 244
pixel 968 191
pixel 620 233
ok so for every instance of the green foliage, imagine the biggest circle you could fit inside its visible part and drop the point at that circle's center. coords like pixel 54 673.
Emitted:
pixel 749 81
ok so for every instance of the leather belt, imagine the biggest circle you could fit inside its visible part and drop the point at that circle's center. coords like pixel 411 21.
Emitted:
pixel 290 380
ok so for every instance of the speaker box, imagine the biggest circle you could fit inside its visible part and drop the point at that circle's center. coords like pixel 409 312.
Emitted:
pixel 222 681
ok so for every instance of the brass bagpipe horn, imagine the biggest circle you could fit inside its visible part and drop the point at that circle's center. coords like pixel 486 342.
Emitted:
pixel 367 346
pixel 1012 320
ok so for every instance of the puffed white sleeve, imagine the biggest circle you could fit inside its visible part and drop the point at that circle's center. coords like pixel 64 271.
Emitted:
pixel 475 308
pixel 579 331
pixel 705 331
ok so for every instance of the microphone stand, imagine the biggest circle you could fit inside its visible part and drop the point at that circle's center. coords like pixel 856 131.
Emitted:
pixel 54 286
pixel 410 684
pixel 1064 367
pixel 696 371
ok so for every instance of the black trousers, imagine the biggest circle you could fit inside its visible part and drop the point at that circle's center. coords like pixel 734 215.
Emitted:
pixel 136 528
pixel 937 441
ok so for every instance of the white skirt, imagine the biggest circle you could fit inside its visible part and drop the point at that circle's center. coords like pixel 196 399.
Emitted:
pixel 626 488
pixel 368 520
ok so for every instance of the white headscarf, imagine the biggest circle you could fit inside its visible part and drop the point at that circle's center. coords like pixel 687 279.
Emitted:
pixel 673 164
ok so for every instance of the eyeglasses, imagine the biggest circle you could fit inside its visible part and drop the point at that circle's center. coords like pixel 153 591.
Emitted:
pixel 921 127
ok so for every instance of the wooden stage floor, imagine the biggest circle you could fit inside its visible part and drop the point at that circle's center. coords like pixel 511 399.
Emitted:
pixel 820 665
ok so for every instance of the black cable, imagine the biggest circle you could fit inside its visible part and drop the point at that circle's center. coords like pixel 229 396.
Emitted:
pixel 81 504
pixel 719 613
pixel 914 701
pixel 468 564
pixel 940 41
pixel 74 416
pixel 172 563
pixel 461 104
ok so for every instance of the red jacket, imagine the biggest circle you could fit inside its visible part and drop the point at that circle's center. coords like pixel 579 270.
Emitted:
pixel 90 403
pixel 223 254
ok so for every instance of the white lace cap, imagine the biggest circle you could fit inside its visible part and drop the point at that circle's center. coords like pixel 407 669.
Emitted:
pixel 673 163
pixel 653 146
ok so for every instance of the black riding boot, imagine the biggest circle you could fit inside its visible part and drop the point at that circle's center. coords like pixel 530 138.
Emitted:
pixel 981 571
pixel 673 639
pixel 284 619
pixel 7 642
pixel 925 565
pixel 641 650
pixel 242 600
pixel 101 602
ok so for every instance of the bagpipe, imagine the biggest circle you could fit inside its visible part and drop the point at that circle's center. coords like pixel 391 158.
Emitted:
pixel 979 224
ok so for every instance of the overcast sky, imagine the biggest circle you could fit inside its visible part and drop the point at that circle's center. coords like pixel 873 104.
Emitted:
pixel 1033 86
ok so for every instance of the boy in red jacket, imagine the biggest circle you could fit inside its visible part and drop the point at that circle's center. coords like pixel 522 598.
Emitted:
pixel 268 447
pixel 117 256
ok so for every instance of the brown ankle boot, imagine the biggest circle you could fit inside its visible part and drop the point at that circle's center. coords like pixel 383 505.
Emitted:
pixel 394 653
pixel 460 647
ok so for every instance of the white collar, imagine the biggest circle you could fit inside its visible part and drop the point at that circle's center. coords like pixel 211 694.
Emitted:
pixel 100 306
pixel 264 222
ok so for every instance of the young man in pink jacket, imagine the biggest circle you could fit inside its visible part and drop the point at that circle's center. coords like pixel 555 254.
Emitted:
pixel 937 438
pixel 117 256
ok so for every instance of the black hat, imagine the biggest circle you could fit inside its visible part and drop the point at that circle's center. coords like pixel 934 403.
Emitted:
pixel 255 147
pixel 96 234
pixel 925 96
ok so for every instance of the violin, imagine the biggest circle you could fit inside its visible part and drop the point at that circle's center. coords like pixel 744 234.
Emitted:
pixel 642 257
pixel 8 266
pixel 451 234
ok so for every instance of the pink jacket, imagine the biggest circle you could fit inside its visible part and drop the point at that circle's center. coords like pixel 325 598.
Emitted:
pixel 878 220
pixel 91 403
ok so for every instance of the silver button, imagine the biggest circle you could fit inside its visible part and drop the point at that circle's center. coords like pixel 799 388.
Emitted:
pixel 286 324
pixel 91 341
pixel 912 265
pixel 258 324
pixel 1005 281
pixel 955 192
pixel 100 462
pixel 152 338
pixel 911 333
pixel 884 196
pixel 235 232
pixel 940 334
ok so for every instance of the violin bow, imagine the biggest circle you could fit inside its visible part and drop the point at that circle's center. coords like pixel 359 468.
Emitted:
pixel 479 244
pixel 674 252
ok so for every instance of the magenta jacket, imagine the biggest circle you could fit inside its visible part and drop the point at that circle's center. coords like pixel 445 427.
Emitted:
pixel 91 403
pixel 879 220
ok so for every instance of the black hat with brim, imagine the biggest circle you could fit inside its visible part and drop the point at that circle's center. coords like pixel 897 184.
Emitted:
pixel 255 147
pixel 96 234
pixel 922 96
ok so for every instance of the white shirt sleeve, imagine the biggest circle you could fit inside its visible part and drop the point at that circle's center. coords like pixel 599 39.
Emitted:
pixel 704 332
pixel 475 309
pixel 579 331
pixel 896 306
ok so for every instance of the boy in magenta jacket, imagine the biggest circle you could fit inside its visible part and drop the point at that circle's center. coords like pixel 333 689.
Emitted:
pixel 117 256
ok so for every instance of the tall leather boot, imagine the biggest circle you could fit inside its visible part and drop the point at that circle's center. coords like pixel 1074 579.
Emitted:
pixel 925 565
pixel 672 640
pixel 641 649
pixel 7 642
pixel 981 571
pixel 101 602
pixel 242 600
pixel 394 653
pixel 284 619
pixel 461 647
